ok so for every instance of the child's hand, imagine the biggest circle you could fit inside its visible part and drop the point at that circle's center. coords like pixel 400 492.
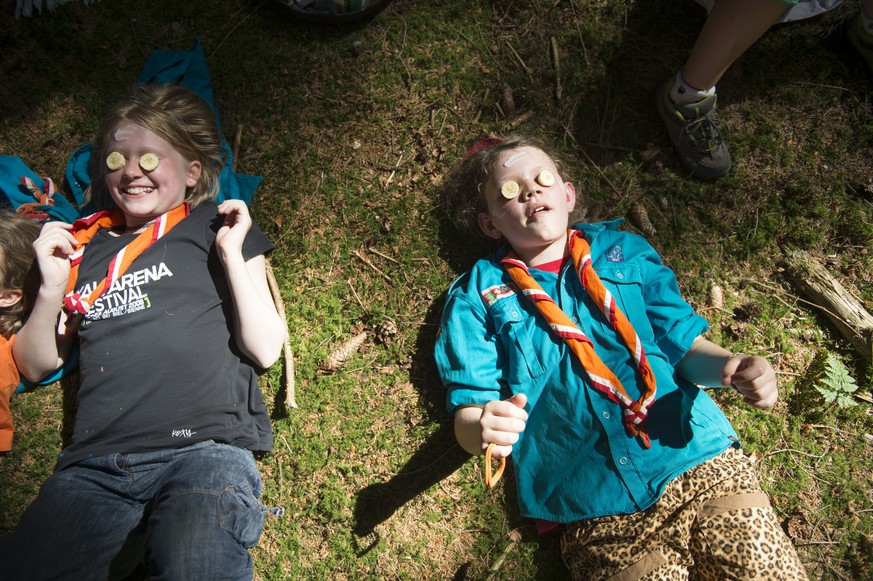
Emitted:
pixel 52 249
pixel 237 222
pixel 502 422
pixel 754 377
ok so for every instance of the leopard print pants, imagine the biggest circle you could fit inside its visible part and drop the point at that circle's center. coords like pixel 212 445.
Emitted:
pixel 713 522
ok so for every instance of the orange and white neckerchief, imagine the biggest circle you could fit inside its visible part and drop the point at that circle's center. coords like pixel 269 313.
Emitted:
pixel 84 230
pixel 43 198
pixel 602 378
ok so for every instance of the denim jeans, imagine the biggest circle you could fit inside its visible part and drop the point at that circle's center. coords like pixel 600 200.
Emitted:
pixel 189 514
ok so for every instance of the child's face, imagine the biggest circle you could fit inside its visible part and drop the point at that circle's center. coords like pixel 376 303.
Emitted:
pixel 145 186
pixel 528 204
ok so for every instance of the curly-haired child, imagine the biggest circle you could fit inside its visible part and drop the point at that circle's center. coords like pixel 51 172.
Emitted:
pixel 572 350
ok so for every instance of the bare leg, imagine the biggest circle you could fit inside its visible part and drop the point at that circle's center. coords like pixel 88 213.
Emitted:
pixel 731 28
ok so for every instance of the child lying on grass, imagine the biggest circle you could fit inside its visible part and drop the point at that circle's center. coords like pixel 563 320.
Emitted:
pixel 572 350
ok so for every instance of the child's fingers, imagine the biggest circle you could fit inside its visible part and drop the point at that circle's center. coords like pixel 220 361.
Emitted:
pixel 509 408
pixel 501 430
pixel 54 239
pixel 499 451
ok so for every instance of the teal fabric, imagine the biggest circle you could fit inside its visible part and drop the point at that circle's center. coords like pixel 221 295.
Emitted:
pixel 575 460
pixel 12 169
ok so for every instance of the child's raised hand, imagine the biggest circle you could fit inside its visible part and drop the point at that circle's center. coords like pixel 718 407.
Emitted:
pixel 754 377
pixel 237 222
pixel 501 422
pixel 52 249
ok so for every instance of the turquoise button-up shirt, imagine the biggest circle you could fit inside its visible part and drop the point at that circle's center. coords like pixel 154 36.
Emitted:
pixel 575 460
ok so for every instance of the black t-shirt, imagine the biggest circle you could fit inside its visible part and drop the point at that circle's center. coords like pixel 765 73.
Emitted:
pixel 159 365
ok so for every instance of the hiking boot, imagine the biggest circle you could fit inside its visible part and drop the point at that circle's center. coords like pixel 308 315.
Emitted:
pixel 860 39
pixel 694 134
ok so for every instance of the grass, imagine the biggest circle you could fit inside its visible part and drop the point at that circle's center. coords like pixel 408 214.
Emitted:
pixel 352 128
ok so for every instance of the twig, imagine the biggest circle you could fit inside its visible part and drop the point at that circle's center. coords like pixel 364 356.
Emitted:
pixel 237 138
pixel 556 62
pixel 371 265
pixel 591 161
pixel 290 402
pixel 237 22
pixel 520 119
pixel 498 563
pixel 779 451
pixel 357 298
pixel 393 171
pixel 795 297
pixel 825 427
pixel 385 256
pixel 523 65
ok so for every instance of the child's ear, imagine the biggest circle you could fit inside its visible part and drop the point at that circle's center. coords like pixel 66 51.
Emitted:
pixel 194 171
pixel 10 297
pixel 570 191
pixel 488 226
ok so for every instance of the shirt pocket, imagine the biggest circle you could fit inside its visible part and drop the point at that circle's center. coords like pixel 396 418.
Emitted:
pixel 625 283
pixel 522 340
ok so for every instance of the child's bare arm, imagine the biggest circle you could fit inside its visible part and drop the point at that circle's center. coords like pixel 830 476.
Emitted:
pixel 498 422
pixel 260 331
pixel 42 345
pixel 709 364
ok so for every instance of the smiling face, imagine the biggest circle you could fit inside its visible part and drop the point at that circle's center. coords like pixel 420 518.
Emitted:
pixel 142 193
pixel 528 205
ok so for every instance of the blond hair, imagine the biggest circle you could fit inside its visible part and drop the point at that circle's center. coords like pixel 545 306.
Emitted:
pixel 176 115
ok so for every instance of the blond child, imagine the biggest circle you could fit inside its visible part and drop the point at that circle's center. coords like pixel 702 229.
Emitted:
pixel 166 294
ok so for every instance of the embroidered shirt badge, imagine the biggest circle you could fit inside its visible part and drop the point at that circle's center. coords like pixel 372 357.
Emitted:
pixel 493 294
pixel 615 254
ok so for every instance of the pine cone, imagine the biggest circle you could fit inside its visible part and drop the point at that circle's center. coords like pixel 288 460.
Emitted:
pixel 640 217
pixel 386 330
pixel 716 296
pixel 342 353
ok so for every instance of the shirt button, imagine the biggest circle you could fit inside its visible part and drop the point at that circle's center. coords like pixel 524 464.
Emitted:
pixel 573 319
pixel 619 275
pixel 514 313
pixel 605 415
pixel 622 460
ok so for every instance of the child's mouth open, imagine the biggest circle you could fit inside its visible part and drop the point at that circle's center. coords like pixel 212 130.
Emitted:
pixel 537 209
pixel 137 190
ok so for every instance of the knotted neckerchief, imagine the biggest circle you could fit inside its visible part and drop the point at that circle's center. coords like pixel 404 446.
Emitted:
pixel 602 378
pixel 84 230
pixel 43 198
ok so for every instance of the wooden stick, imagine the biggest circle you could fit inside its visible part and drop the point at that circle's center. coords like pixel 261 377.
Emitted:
pixel 557 64
pixel 845 311
pixel 237 139
pixel 371 265
pixel 290 402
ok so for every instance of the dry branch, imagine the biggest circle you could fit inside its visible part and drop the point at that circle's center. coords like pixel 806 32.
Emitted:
pixel 290 402
pixel 556 62
pixel 842 308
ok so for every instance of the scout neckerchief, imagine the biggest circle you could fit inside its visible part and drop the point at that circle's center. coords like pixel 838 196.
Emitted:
pixel 84 230
pixel 602 378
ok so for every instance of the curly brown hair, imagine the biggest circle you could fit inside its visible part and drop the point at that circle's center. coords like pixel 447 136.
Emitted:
pixel 176 115
pixel 463 189
pixel 18 269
